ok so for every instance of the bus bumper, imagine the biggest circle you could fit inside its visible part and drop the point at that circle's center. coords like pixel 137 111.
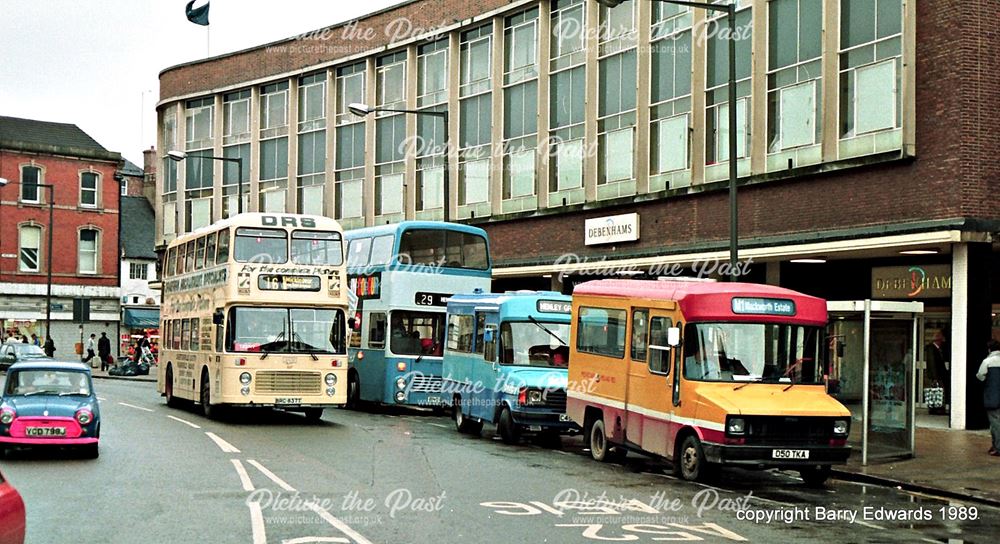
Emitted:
pixel 545 421
pixel 764 456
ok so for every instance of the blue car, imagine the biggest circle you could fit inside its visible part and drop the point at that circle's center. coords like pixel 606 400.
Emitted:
pixel 49 403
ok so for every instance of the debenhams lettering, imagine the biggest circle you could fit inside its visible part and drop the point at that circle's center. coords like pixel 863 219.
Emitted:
pixel 609 231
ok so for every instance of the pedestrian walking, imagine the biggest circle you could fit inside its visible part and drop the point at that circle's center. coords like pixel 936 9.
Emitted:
pixel 50 347
pixel 989 374
pixel 91 346
pixel 104 351
pixel 35 340
pixel 24 339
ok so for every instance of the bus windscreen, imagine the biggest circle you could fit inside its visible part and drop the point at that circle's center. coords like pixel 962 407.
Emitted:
pixel 317 248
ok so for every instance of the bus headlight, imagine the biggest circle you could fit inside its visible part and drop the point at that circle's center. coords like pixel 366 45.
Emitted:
pixel 245 390
pixel 841 427
pixel 735 425
pixel 400 396
pixel 6 416
pixel 400 383
pixel 330 391
pixel 331 379
pixel 246 378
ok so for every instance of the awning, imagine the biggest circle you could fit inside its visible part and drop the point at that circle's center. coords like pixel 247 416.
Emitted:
pixel 142 318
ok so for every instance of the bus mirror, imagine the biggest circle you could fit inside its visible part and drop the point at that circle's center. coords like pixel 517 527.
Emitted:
pixel 218 318
pixel 673 337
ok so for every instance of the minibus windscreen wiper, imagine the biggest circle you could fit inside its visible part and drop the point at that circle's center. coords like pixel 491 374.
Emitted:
pixel 540 326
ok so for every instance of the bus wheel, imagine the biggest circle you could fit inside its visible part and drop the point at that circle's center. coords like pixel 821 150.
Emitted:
pixel 600 449
pixel 462 423
pixel 509 432
pixel 211 412
pixel 815 476
pixel 692 463
pixel 353 391
pixel 168 388
pixel 313 414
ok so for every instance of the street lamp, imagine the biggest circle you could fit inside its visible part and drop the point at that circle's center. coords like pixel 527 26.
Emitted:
pixel 178 156
pixel 48 253
pixel 730 10
pixel 362 110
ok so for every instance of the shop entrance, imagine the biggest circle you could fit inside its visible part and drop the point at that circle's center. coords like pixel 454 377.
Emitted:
pixel 872 372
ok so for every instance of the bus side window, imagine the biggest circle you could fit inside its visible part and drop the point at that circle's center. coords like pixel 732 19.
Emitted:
pixel 195 335
pixel 659 349
pixel 490 344
pixel 640 322
pixel 189 257
pixel 480 330
pixel 506 344
pixel 210 251
pixel 199 255
pixel 219 336
pixel 376 330
pixel 223 247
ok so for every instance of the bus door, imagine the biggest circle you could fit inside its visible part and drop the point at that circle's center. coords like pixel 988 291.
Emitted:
pixel 485 367
pixel 656 425
pixel 636 376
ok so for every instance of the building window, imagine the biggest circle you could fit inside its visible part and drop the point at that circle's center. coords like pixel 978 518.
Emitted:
pixel 236 117
pixel 273 183
pixel 350 170
pixel 794 113
pixel 475 116
pixel 390 134
pixel 231 178
pixel 169 187
pixel 350 90
pixel 312 144
pixel 567 95
pixel 390 80
pixel 274 110
pixel 432 73
pixel 432 95
pixel 198 178
pixel 474 179
pixel 617 31
pixel 871 66
pixel 88 189
pixel 123 187
pixel 670 89
pixel 717 94
pixel 520 104
pixel 616 111
pixel 87 255
pixel 199 121
pixel 568 33
pixel 30 241
pixel 312 102
pixel 137 271
pixel 476 56
pixel 31 177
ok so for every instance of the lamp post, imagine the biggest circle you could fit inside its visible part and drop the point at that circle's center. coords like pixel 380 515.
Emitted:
pixel 48 253
pixel 363 109
pixel 178 156
pixel 730 10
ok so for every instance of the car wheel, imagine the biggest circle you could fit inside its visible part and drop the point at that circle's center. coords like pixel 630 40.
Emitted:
pixel 463 424
pixel 313 414
pixel 211 412
pixel 509 432
pixel 693 466
pixel 168 388
pixel 815 476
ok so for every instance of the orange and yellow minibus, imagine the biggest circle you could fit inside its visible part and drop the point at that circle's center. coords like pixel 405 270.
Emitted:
pixel 704 374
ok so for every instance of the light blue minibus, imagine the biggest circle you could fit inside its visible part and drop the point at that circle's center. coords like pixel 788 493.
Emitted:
pixel 403 275
pixel 505 363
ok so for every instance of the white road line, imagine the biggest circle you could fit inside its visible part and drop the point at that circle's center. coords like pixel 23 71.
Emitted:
pixel 244 477
pixel 443 426
pixel 343 527
pixel 226 447
pixel 309 539
pixel 274 478
pixel 184 421
pixel 257 523
pixel 872 525
pixel 134 406
pixel 101 398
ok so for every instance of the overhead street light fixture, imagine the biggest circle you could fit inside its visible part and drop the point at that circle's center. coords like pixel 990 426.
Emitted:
pixel 363 110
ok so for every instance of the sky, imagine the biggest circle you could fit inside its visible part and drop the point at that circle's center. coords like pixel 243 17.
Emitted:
pixel 95 63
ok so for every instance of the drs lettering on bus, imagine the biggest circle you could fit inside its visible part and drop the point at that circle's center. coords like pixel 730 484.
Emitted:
pixel 288 221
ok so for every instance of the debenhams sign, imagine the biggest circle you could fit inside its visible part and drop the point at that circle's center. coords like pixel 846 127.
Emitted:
pixel 611 229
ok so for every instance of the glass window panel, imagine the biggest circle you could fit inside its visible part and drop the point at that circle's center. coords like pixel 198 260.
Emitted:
pixel 432 187
pixel 30 242
pixel 392 194
pixel 311 199
pixel 201 213
pixel 274 201
pixel 722 122
pixel 522 173
pixel 875 101
pixel 857 22
pixel 798 115
pixel 274 158
pixel 312 152
pixel 810 29
pixel 569 165
pixel 783 23
pixel 349 198
pixel 618 155
pixel 889 17
pixel 230 170
pixel 718 50
pixel 673 143
pixel 477 181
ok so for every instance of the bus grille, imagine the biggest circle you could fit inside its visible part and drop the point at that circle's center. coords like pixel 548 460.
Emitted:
pixel 555 399
pixel 426 384
pixel 271 381
pixel 793 431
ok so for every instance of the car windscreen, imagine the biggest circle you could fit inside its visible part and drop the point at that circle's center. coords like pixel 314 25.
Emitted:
pixel 47 382
pixel 28 351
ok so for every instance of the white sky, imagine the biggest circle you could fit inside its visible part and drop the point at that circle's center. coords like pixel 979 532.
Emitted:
pixel 94 63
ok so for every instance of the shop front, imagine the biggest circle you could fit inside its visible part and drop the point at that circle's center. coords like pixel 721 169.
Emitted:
pixel 136 324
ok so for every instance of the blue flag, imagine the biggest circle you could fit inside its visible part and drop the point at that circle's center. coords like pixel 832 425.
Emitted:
pixel 198 16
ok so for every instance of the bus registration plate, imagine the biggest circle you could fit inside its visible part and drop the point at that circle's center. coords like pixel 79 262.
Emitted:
pixel 789 454
pixel 286 401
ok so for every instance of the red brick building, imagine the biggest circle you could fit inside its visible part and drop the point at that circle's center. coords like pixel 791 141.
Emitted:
pixel 866 148
pixel 84 263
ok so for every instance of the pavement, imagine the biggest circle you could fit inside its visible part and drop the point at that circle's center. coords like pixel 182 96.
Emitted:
pixel 948 463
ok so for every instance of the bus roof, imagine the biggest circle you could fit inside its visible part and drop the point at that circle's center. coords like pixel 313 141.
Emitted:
pixel 394 228
pixel 711 301
pixel 255 219
pixel 517 303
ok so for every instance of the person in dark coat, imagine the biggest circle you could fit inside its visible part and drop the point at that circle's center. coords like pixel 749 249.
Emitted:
pixel 989 374
pixel 938 372
pixel 50 347
pixel 104 351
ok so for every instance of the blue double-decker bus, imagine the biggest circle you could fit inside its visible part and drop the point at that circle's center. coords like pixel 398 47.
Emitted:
pixel 506 361
pixel 403 275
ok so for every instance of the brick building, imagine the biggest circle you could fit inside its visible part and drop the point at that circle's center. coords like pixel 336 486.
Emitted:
pixel 84 238
pixel 866 154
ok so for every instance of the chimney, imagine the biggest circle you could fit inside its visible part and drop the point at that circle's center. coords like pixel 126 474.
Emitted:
pixel 149 175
